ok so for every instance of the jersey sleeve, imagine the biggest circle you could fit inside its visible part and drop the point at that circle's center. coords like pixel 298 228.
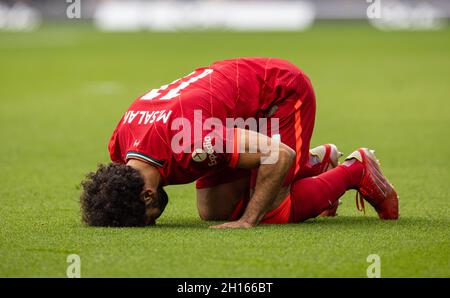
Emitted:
pixel 215 149
pixel 148 147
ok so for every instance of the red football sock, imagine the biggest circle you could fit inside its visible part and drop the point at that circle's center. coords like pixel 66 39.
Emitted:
pixel 311 196
pixel 313 167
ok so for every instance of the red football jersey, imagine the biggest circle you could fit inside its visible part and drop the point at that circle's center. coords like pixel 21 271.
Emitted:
pixel 181 127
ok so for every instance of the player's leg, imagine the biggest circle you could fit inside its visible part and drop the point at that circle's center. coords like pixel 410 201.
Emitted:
pixel 322 159
pixel 313 195
pixel 360 171
pixel 220 193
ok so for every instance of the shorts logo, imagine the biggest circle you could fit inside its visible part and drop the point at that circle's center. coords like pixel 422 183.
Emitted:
pixel 199 155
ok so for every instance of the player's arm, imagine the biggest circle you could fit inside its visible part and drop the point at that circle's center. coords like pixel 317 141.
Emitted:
pixel 273 160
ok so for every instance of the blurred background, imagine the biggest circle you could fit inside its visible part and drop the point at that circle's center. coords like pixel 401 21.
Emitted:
pixel 222 14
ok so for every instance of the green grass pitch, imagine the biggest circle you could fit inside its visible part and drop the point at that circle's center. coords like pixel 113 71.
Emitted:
pixel 63 89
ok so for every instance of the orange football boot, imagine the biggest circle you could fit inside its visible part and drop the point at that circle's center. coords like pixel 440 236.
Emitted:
pixel 374 186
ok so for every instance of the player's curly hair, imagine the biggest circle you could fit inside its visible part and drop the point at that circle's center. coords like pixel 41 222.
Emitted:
pixel 111 197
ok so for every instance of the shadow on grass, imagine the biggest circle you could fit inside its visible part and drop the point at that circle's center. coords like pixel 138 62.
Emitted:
pixel 182 223
pixel 372 221
pixel 340 221
pixel 353 221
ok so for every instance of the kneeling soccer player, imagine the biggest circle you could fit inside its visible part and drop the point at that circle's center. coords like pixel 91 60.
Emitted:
pixel 241 129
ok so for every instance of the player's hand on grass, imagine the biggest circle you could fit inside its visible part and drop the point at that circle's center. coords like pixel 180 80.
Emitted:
pixel 239 224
